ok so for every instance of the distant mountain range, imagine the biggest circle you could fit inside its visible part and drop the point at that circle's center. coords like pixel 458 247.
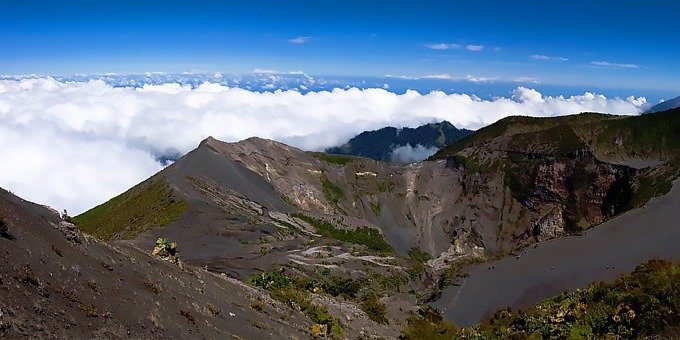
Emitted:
pixel 405 145
pixel 665 105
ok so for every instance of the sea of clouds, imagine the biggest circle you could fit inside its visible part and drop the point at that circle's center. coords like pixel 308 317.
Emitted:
pixel 75 144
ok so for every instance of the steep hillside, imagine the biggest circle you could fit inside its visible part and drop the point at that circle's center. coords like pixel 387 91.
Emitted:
pixel 665 105
pixel 58 283
pixel 384 144
pixel 585 167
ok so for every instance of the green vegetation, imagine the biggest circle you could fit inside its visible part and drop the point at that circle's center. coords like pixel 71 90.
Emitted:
pixel 385 284
pixel 375 208
pixel 332 192
pixel 449 275
pixel 375 309
pixel 369 237
pixel 643 303
pixel 333 158
pixel 361 288
pixel 295 293
pixel 428 325
pixel 386 186
pixel 365 291
pixel 559 134
pixel 651 185
pixel 270 280
pixel 418 259
pixel 557 140
pixel 418 255
pixel 646 135
pixel 148 205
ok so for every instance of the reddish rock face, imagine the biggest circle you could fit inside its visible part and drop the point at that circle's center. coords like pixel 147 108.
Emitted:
pixel 582 188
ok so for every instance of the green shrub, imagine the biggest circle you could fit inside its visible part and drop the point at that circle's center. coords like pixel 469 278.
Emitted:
pixel 428 324
pixel 375 208
pixel 333 158
pixel 449 275
pixel 386 186
pixel 369 237
pixel 418 255
pixel 332 192
pixel 298 298
pixel 270 280
pixel 375 309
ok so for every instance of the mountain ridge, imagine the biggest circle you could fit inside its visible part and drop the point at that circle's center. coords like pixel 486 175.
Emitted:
pixel 381 144
pixel 665 105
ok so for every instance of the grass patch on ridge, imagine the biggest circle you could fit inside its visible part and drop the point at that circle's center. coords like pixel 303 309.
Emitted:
pixel 369 237
pixel 148 205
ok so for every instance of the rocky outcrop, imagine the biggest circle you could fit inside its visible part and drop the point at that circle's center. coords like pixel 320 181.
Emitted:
pixel 586 190
pixel 68 229
pixel 550 226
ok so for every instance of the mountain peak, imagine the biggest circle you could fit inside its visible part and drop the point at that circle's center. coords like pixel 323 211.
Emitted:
pixel 208 140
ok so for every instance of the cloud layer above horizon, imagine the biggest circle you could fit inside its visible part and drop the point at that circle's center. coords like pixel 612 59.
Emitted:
pixel 76 144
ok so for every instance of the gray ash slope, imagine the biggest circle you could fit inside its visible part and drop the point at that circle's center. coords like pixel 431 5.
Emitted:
pixel 535 273
pixel 58 283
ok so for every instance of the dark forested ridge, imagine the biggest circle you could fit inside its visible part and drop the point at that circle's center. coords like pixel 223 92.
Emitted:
pixel 379 144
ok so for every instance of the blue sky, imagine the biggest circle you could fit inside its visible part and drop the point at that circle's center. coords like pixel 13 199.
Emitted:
pixel 615 44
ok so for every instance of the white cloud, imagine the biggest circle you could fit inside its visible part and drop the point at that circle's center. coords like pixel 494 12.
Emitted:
pixel 475 79
pixel 270 71
pixel 526 79
pixel 397 76
pixel 409 154
pixel 438 76
pixel 445 46
pixel 609 64
pixel 264 71
pixel 298 40
pixel 76 144
pixel 525 95
pixel 546 58
pixel 442 46
pixel 470 78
